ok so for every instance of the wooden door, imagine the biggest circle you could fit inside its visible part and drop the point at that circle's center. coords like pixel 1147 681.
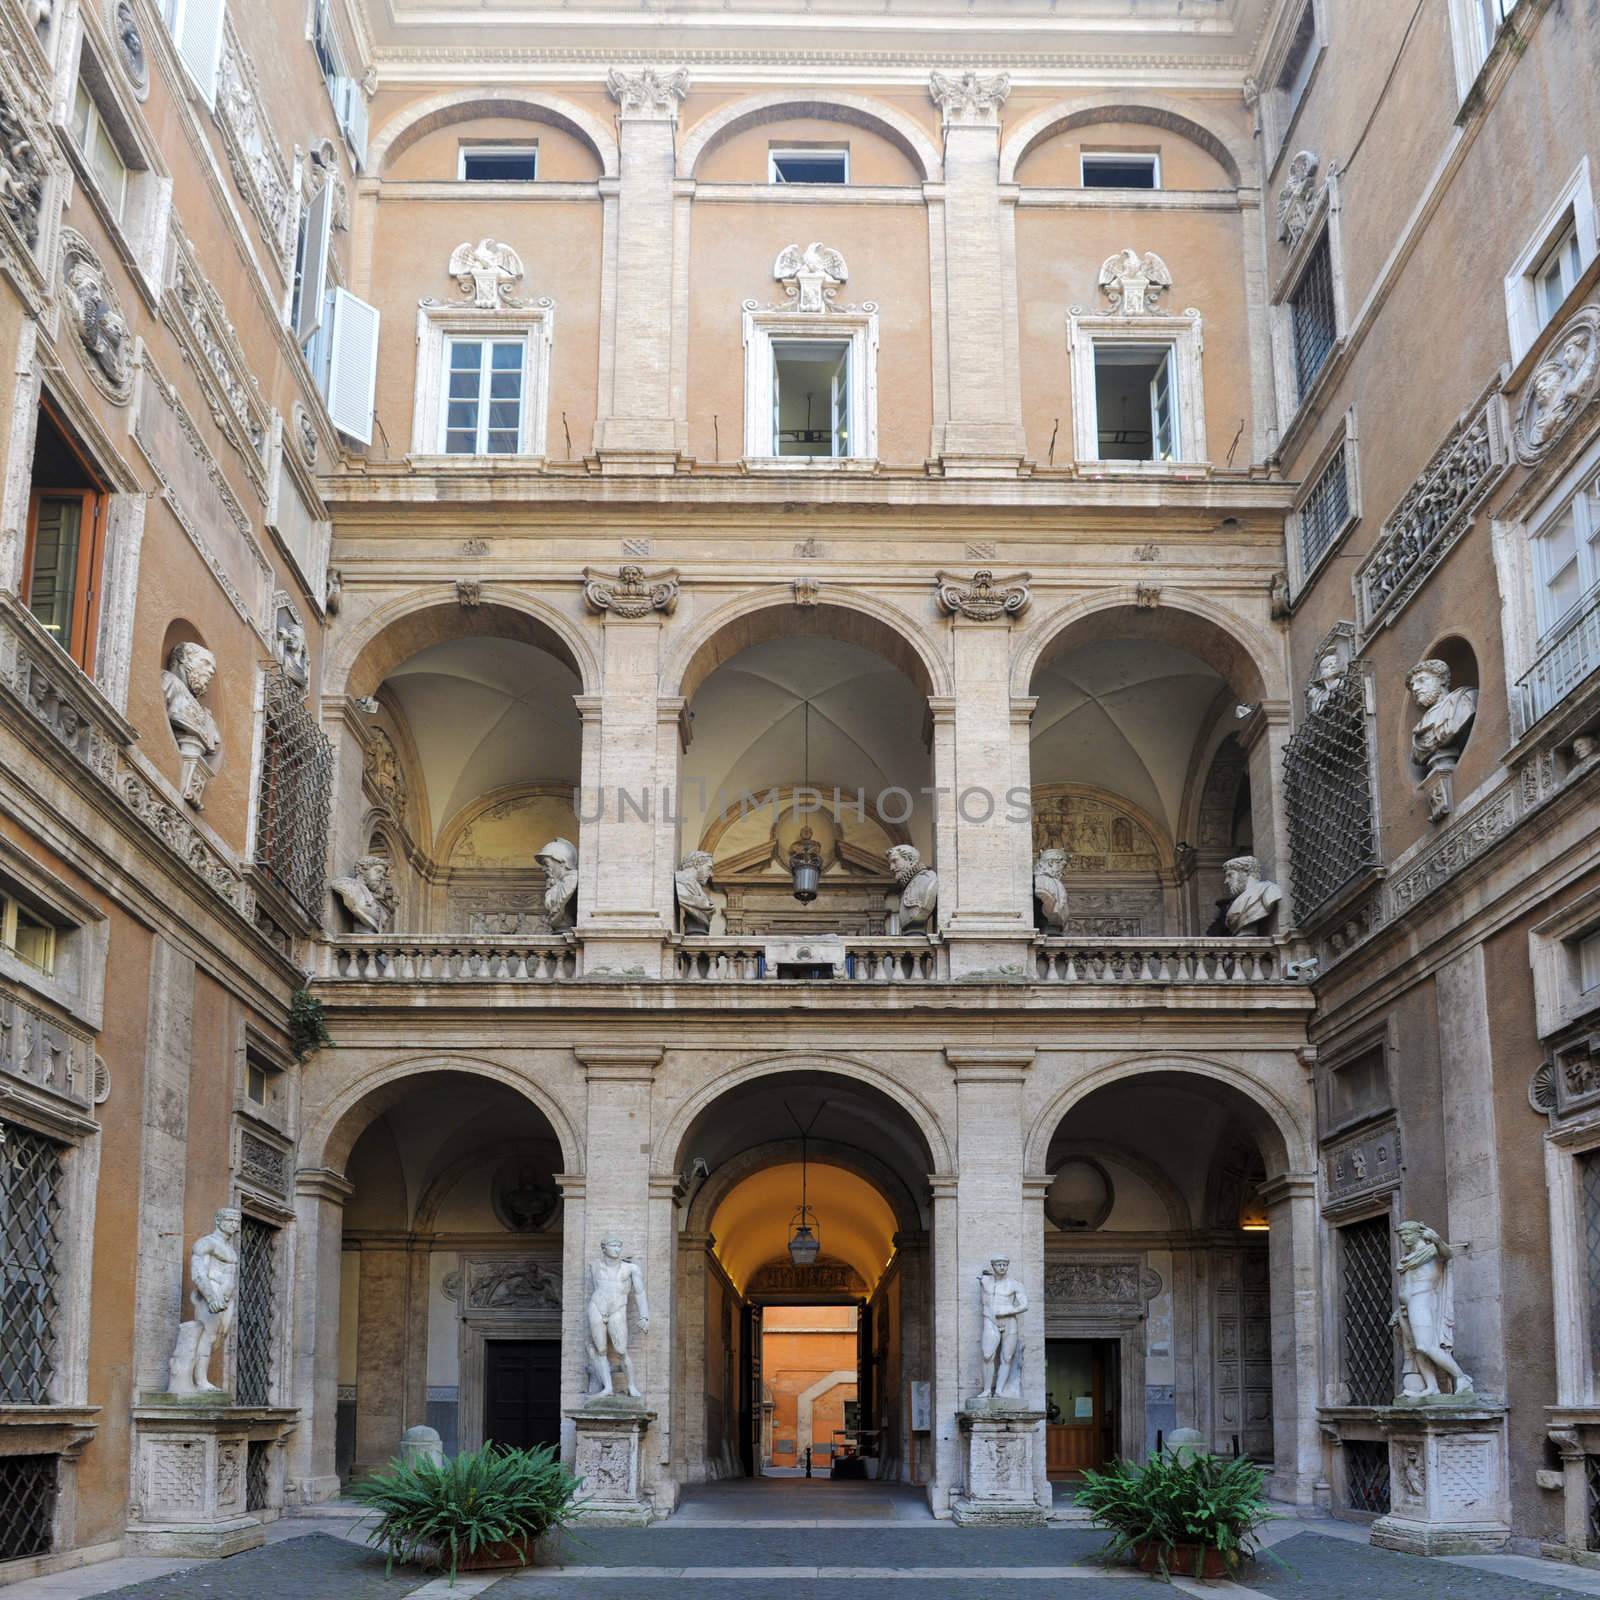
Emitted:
pixel 1082 1437
pixel 522 1392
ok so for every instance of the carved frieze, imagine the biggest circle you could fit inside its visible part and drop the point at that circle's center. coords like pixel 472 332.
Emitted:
pixel 821 1277
pixel 1134 284
pixel 41 681
pixel 983 598
pixel 631 593
pixel 649 92
pixel 1561 386
pixel 970 98
pixel 40 1051
pixel 1298 198
pixel 383 772
pixel 1433 514
pixel 1362 1163
pixel 1460 847
pixel 103 336
pixel 262 1164
pixel 512 1283
pixel 24 171
pixel 1079 1288
pixel 254 153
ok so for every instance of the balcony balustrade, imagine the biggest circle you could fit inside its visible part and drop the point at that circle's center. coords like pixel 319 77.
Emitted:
pixel 1154 961
pixel 1564 663
pixel 388 958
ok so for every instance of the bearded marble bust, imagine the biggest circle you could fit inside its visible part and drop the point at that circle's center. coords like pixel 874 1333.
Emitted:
pixel 1447 716
pixel 919 889
pixel 1050 888
pixel 694 897
pixel 1254 899
pixel 368 894
pixel 190 669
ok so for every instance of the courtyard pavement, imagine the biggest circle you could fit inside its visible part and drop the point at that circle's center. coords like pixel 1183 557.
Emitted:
pixel 802 1541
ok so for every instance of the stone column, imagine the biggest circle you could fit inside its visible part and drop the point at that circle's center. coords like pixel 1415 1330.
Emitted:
pixel 574 1304
pixel 1031 1270
pixel 1263 736
pixel 1291 1201
pixel 380 1353
pixel 983 431
pixel 636 430
pixel 660 1269
pixel 319 1199
pixel 943 1319
pixel 687 1417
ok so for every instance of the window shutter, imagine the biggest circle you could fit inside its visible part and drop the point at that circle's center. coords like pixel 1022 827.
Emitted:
pixel 314 264
pixel 352 365
pixel 197 31
pixel 355 121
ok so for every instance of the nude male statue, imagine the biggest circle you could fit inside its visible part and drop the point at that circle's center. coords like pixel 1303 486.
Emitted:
pixel 214 1266
pixel 1426 1317
pixel 611 1280
pixel 1003 1300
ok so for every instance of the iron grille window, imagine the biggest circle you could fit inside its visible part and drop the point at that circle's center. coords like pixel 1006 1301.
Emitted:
pixel 1323 516
pixel 1327 784
pixel 30 1215
pixel 253 1378
pixel 1589 1166
pixel 296 784
pixel 1312 317
pixel 1366 1475
pixel 1367 1287
pixel 27 1505
pixel 257 1476
pixel 1591 1474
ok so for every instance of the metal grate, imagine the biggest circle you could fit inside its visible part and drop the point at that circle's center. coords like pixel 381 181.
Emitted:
pixel 30 1212
pixel 258 1475
pixel 1323 516
pixel 253 1377
pixel 294 796
pixel 1367 1284
pixel 1312 315
pixel 1591 1473
pixel 1366 1475
pixel 1327 783
pixel 1590 1167
pixel 27 1505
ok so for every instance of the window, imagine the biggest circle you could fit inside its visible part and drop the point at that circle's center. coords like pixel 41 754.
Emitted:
pixel 498 163
pixel 811 397
pixel 486 379
pixel 809 165
pixel 1566 556
pixel 1588 954
pixel 26 934
pixel 1103 170
pixel 1325 513
pixel 810 385
pixel 1493 14
pixel 344 360
pixel 1312 318
pixel 349 100
pixel 90 134
pixel 1135 418
pixel 253 1377
pixel 1558 253
pixel 61 566
pixel 196 29
pixel 1294 72
pixel 1556 278
pixel 292 795
pixel 30 1220
pixel 255 1083
pixel 1358 1088
pixel 1366 1283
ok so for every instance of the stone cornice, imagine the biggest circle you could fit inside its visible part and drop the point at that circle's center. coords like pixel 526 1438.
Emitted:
pixel 620 1063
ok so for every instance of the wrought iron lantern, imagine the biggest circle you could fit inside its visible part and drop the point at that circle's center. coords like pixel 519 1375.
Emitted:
pixel 805 854
pixel 805 1232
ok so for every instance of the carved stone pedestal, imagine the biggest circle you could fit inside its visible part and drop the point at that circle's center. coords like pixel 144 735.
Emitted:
pixel 1448 1492
pixel 610 1451
pixel 998 1440
pixel 191 1474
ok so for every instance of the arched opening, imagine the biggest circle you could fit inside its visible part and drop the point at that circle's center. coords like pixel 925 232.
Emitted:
pixel 1163 1277
pixel 780 1355
pixel 450 1269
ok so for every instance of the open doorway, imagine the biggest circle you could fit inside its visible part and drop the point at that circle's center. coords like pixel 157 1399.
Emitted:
pixel 811 1414
pixel 1082 1405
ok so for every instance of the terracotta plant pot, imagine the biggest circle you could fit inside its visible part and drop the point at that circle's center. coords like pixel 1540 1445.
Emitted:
pixel 491 1557
pixel 1181 1560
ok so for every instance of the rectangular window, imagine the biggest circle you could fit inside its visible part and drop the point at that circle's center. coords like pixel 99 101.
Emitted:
pixel 809 166
pixel 1589 962
pixel 292 794
pixel 483 398
pixel 26 934
pixel 1566 557
pixel 1366 1281
pixel 30 1220
pixel 196 28
pixel 255 1086
pixel 326 44
pixel 91 136
pixel 1295 73
pixel 1556 276
pixel 253 1377
pixel 1359 1088
pixel 1325 513
pixel 1494 14
pixel 499 163
pixel 28 1491
pixel 1107 171
pixel 1312 315
pixel 1135 415
pixel 61 564
pixel 811 397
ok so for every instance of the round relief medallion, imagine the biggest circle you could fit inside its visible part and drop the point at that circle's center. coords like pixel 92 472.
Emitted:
pixel 1080 1195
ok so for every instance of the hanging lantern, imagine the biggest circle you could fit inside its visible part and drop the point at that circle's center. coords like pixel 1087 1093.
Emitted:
pixel 805 1234
pixel 804 1245
pixel 805 865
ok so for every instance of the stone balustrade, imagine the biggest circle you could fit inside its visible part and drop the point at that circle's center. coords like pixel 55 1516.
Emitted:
pixel 1147 961
pixel 387 958
pixel 886 960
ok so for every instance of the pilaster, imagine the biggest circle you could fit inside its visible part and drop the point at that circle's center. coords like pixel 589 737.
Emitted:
pixel 1291 1201
pixel 319 1201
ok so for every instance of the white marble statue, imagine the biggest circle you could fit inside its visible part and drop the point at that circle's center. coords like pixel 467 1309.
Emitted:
pixel 1322 689
pixel 214 1266
pixel 1254 898
pixel 612 1278
pixel 1426 1316
pixel 1002 1300
pixel 1447 715
pixel 919 889
pixel 560 861
pixel 368 894
pixel 1050 889
pixel 188 675
pixel 694 898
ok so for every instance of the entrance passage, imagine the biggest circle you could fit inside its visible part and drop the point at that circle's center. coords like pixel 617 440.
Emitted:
pixel 811 1392
pixel 522 1392
pixel 1081 1405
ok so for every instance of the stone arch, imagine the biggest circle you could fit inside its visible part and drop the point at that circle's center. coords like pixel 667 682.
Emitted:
pixel 771 614
pixel 331 1133
pixel 423 117
pixel 1287 1149
pixel 1090 1149
pixel 899 129
pixel 1248 658
pixel 1233 153
pixel 668 1153
pixel 396 630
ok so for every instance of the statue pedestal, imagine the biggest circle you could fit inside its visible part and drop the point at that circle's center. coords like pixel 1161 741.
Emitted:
pixel 1448 1492
pixel 608 1458
pixel 998 1441
pixel 194 1493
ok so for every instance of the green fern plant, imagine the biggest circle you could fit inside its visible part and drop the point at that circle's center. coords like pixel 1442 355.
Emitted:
pixel 308 1027
pixel 438 1514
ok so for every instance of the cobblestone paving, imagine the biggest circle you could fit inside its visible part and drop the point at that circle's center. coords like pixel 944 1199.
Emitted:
pixel 1316 1567
pixel 317 1567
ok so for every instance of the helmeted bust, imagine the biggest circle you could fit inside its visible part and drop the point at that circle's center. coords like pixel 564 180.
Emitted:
pixel 560 861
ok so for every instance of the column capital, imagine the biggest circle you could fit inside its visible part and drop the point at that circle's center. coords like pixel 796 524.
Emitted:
pixel 650 94
pixel 622 1063
pixel 1023 707
pixel 943 1185
pixel 988 1066
pixel 666 1186
pixel 969 99
pixel 1289 1186
pixel 324 1184
pixel 634 595
pixel 571 1184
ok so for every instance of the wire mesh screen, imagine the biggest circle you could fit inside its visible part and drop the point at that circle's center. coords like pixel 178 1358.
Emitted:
pixel 1368 1292
pixel 296 786
pixel 1325 512
pixel 1327 784
pixel 1366 1475
pixel 253 1377
pixel 30 1215
pixel 1311 315
pixel 257 1475
pixel 1589 1166
pixel 1591 1473
pixel 27 1505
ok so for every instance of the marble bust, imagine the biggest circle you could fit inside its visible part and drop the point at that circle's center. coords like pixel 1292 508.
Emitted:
pixel 559 859
pixel 190 669
pixel 1447 716
pixel 214 1266
pixel 1326 684
pixel 1426 1317
pixel 1050 889
pixel 368 893
pixel 694 898
pixel 1254 899
pixel 919 889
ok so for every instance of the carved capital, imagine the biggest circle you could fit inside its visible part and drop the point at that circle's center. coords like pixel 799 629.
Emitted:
pixel 970 99
pixel 985 598
pixel 631 593
pixel 651 93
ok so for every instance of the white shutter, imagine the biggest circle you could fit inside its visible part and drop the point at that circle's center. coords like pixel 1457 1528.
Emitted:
pixel 352 364
pixel 197 31
pixel 314 264
pixel 355 121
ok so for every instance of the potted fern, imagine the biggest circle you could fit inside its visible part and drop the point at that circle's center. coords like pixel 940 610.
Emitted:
pixel 480 1509
pixel 1196 1515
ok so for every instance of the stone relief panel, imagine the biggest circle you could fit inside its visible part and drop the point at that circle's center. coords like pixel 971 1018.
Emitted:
pixel 1097 1286
pixel 255 154
pixel 43 1053
pixel 262 1165
pixel 104 338
pixel 25 172
pixel 511 1283
pixel 1563 383
pixel 1298 198
pixel 1361 1164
